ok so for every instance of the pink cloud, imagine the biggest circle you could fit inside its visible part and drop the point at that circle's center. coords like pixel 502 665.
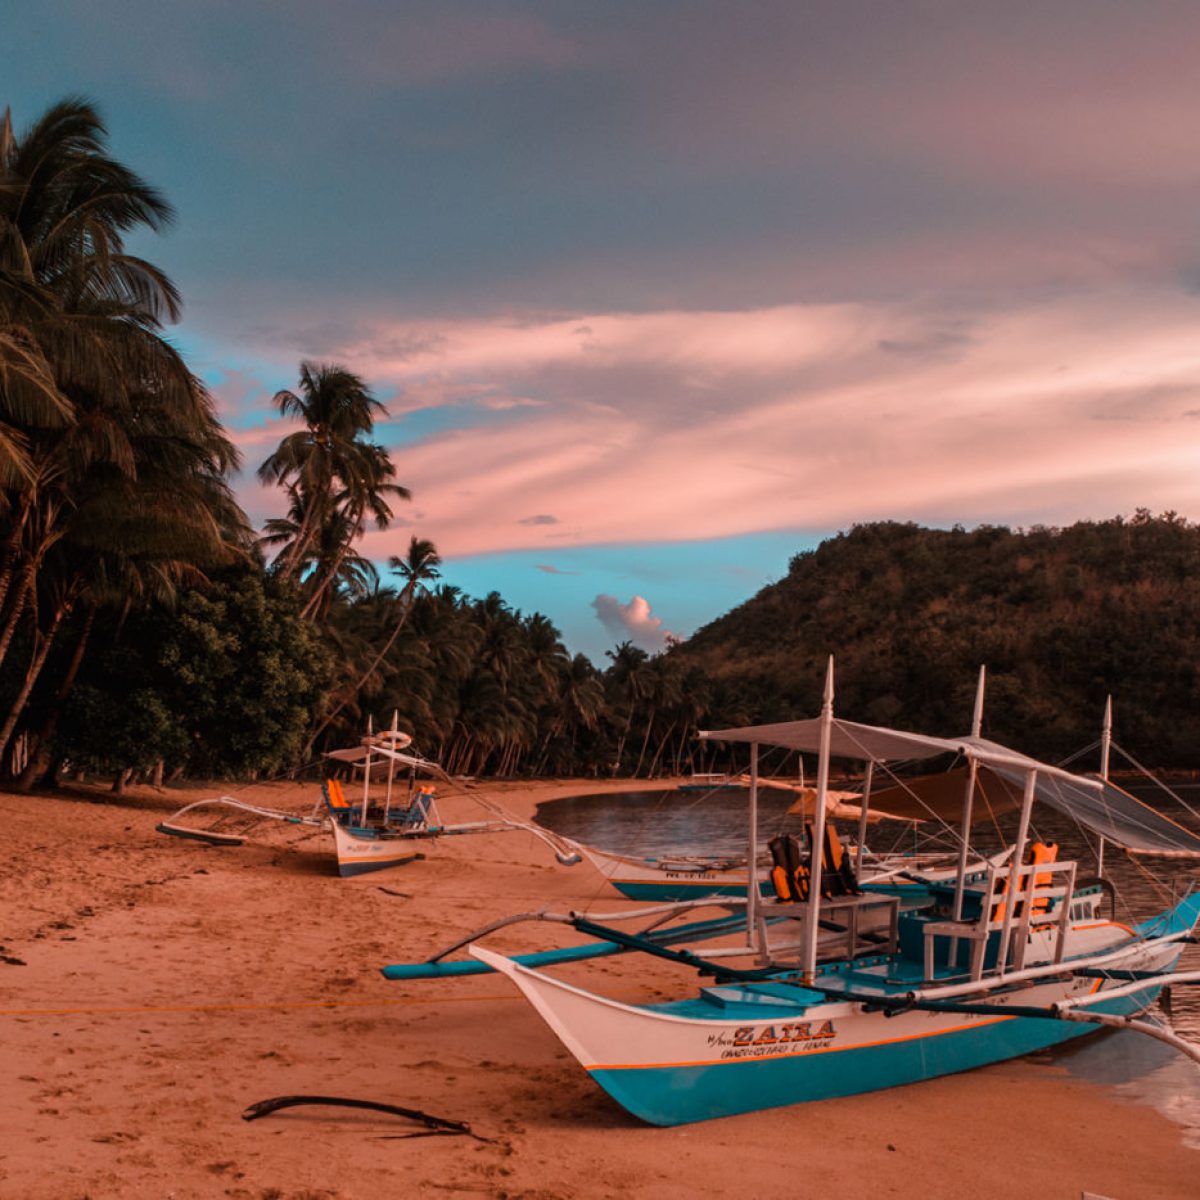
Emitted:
pixel 632 622
pixel 692 426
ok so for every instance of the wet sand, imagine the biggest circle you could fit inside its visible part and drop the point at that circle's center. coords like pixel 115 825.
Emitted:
pixel 153 988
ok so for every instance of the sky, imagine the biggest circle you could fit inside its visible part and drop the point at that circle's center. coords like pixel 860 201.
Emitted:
pixel 658 295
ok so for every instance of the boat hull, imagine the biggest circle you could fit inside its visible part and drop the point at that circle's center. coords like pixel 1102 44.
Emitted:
pixel 680 1094
pixel 359 852
pixel 738 1050
pixel 657 880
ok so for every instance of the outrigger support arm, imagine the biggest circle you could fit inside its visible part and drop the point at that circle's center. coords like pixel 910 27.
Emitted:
pixel 1061 1010
pixel 663 911
pixel 271 814
pixel 435 968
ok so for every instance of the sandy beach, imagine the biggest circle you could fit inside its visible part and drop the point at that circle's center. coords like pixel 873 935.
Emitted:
pixel 152 988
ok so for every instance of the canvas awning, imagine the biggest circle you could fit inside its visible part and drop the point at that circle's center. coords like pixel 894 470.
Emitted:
pixel 356 755
pixel 874 743
pixel 1116 815
pixel 940 797
pixel 1096 804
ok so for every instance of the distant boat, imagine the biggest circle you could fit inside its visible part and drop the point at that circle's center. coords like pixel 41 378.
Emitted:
pixel 376 832
pixel 700 781
pixel 692 877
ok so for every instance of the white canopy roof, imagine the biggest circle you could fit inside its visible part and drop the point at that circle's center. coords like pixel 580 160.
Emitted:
pixel 358 754
pixel 874 743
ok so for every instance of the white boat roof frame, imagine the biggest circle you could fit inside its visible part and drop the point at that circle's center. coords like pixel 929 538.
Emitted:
pixel 877 744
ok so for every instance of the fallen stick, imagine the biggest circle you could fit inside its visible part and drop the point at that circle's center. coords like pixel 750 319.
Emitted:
pixel 439 1124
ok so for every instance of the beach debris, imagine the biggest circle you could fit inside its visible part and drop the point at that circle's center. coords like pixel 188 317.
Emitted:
pixel 434 1125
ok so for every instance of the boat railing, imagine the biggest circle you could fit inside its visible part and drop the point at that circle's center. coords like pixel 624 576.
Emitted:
pixel 1014 901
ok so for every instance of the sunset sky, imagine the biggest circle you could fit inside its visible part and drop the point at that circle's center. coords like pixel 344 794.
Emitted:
pixel 659 293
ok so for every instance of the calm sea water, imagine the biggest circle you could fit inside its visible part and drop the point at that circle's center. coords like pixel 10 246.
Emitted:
pixel 652 822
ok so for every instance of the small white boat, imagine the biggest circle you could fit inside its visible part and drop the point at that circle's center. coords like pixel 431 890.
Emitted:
pixel 377 832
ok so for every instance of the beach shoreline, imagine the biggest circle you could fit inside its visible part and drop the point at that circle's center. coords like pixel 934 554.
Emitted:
pixel 152 988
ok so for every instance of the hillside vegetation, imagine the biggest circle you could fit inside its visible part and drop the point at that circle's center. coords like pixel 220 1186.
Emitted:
pixel 1060 617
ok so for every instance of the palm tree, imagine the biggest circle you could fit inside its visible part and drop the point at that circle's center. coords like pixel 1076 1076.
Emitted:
pixel 330 471
pixel 129 541
pixel 418 568
pixel 629 677
pixel 118 449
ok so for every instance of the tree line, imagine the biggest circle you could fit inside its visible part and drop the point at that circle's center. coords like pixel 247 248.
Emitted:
pixel 147 630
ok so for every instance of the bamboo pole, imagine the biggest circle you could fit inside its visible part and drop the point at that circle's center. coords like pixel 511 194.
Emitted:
pixel 1105 750
pixel 818 838
pixel 752 896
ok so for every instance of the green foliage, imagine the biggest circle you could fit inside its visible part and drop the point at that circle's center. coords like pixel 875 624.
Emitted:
pixel 1060 617
pixel 225 685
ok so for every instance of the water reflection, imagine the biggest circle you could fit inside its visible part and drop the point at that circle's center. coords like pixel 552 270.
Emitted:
pixel 661 821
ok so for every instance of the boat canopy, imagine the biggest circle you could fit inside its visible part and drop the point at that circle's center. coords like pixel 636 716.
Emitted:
pixel 1116 815
pixel 940 796
pixel 357 755
pixel 874 743
pixel 1095 803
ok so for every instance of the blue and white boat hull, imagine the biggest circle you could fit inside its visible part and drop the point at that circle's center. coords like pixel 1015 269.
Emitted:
pixel 742 1048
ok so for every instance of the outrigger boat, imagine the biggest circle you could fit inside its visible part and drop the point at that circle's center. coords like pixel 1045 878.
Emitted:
pixel 690 877
pixel 816 1005
pixel 667 877
pixel 367 836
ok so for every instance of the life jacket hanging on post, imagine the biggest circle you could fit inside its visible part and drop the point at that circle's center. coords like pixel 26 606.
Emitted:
pixel 1038 854
pixel 789 872
pixel 837 875
pixel 837 862
pixel 1041 853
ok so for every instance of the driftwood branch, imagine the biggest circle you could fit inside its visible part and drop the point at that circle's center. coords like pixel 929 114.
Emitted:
pixel 441 1125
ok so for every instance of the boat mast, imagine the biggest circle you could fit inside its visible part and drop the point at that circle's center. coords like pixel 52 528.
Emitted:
pixel 1014 895
pixel 367 774
pixel 960 881
pixel 752 894
pixel 818 839
pixel 1105 748
pixel 862 818
pixel 387 803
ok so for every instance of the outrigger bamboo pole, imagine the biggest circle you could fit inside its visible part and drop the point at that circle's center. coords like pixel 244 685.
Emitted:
pixel 818 838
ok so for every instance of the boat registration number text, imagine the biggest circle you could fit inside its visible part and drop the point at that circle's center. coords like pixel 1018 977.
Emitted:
pixel 755 1041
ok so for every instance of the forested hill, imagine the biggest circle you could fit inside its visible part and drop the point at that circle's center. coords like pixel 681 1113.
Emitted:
pixel 1060 617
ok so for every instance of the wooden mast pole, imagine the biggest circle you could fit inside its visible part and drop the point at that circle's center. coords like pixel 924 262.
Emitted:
pixel 1105 749
pixel 366 800
pixel 862 818
pixel 818 839
pixel 960 879
pixel 752 894
pixel 387 803
pixel 1015 893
